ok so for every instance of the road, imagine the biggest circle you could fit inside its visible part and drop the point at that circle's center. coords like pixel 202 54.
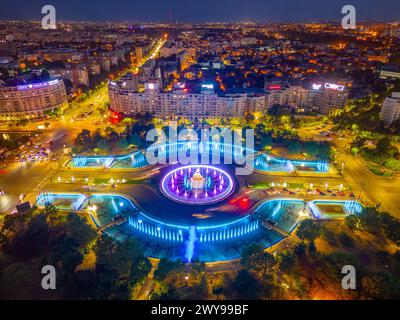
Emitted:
pixel 148 285
pixel 29 178
pixel 371 188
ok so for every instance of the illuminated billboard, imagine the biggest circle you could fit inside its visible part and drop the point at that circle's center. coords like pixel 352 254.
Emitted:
pixel 333 86
pixel 151 86
pixel 316 86
pixel 275 87
pixel 208 86
pixel 37 85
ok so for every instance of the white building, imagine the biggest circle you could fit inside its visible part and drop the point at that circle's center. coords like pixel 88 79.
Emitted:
pixel 323 98
pixel 389 74
pixel 32 100
pixel 77 76
pixel 177 103
pixel 391 109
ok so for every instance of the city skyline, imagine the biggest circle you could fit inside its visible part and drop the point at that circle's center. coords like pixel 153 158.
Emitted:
pixel 174 11
pixel 199 161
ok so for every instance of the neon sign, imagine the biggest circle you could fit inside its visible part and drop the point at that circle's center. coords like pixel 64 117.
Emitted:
pixel 275 87
pixel 37 85
pixel 334 86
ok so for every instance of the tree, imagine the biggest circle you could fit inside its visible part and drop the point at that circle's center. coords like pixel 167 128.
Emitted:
pixel 103 145
pixel 294 147
pixel 382 285
pixel 287 261
pixel 136 140
pixel 352 222
pixel 79 230
pixel 31 241
pixel 165 267
pixel 308 230
pixel 85 139
pixel 345 240
pixel 66 256
pixel 332 265
pixel 122 144
pixel 245 286
pixel 371 221
pixel 249 117
pixel 391 226
pixel 15 281
pixel 254 258
pixel 124 257
pixel 98 284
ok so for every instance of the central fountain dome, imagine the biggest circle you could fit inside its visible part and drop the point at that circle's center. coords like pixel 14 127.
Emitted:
pixel 197 184
pixel 197 181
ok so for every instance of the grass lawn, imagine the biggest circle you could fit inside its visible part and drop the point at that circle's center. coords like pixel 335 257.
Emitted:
pixel 127 181
pixel 265 185
pixel 379 170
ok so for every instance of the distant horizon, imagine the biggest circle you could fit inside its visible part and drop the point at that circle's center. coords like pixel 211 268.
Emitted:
pixel 204 22
pixel 197 12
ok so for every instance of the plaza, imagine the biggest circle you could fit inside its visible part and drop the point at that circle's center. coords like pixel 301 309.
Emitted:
pixel 197 212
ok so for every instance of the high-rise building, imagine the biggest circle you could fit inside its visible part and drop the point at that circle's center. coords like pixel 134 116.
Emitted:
pixel 391 109
pixel 179 103
pixel 323 98
pixel 32 100
pixel 389 73
pixel 139 53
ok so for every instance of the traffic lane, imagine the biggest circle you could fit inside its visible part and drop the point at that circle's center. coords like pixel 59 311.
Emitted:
pixel 24 178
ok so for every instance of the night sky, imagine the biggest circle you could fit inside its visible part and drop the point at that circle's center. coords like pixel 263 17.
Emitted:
pixel 200 11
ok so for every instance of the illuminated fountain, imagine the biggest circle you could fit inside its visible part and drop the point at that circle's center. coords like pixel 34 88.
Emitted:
pixel 197 184
pixel 197 181
pixel 190 244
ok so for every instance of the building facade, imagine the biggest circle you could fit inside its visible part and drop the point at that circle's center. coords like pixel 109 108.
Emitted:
pixel 177 103
pixel 322 98
pixel 391 109
pixel 128 101
pixel 30 101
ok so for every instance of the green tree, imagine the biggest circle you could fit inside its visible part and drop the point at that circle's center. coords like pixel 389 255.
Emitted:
pixel 79 230
pixel 245 286
pixel 165 267
pixel 254 258
pixel 308 230
pixel 85 139
pixel 352 222
pixel 371 221
pixel 382 285
pixel 15 280
pixel 125 257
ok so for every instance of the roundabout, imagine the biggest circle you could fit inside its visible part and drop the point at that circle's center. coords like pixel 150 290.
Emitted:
pixel 196 211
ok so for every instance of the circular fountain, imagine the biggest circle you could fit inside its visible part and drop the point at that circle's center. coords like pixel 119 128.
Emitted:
pixel 197 184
